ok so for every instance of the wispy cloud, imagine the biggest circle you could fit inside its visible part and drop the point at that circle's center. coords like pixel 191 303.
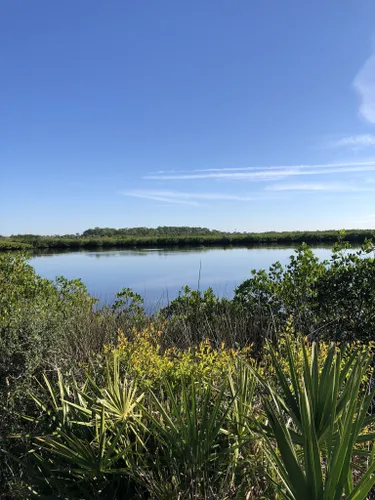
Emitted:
pixel 183 197
pixel 355 141
pixel 329 187
pixel 364 84
pixel 272 172
pixel 268 167
pixel 158 197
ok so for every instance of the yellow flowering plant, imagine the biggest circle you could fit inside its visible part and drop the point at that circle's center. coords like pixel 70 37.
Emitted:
pixel 143 357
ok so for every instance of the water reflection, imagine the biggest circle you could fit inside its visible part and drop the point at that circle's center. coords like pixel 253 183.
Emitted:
pixel 116 252
pixel 161 272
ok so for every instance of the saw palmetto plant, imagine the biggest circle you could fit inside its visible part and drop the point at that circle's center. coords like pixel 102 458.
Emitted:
pixel 317 424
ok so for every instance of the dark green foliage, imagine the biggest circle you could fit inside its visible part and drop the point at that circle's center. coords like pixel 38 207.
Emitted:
pixel 284 292
pixel 197 315
pixel 345 296
pixel 332 299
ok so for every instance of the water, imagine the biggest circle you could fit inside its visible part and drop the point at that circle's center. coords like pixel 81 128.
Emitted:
pixel 158 274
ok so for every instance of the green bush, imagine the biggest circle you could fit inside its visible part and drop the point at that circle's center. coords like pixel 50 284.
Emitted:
pixel 42 325
pixel 330 299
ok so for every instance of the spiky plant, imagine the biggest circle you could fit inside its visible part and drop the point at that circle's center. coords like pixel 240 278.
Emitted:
pixel 192 445
pixel 95 435
pixel 317 424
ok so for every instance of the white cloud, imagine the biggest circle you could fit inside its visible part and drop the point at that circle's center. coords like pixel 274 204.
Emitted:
pixel 183 197
pixel 304 187
pixel 268 167
pixel 274 172
pixel 318 187
pixel 355 141
pixel 364 83
pixel 156 197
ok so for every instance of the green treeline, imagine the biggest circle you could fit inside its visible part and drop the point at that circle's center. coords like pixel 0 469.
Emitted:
pixel 176 236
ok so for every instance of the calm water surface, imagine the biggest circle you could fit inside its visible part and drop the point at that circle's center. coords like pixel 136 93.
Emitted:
pixel 158 274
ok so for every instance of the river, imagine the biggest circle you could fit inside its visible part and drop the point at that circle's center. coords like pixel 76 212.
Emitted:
pixel 158 274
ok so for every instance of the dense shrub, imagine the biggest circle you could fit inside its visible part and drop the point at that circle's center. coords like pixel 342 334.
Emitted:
pixel 332 299
pixel 251 433
pixel 199 350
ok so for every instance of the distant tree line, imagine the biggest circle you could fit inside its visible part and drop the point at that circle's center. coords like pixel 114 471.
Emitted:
pixel 178 236
pixel 146 231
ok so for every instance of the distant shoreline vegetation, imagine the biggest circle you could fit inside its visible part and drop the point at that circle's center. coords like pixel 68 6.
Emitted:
pixel 168 236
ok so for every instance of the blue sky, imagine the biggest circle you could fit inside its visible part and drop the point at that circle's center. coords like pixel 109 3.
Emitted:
pixel 231 115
